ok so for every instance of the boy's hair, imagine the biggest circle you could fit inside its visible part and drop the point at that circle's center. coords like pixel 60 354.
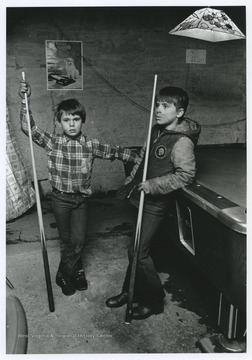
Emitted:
pixel 175 95
pixel 72 107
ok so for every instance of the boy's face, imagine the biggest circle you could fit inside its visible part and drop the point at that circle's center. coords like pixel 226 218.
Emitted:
pixel 71 124
pixel 166 113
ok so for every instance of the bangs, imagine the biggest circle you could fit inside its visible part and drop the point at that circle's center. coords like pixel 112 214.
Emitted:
pixel 72 107
pixel 166 98
pixel 72 112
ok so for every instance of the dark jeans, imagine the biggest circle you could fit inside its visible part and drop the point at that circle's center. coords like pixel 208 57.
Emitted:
pixel 70 211
pixel 148 288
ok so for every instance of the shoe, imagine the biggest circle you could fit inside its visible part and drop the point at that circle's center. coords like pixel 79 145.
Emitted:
pixel 66 285
pixel 144 311
pixel 118 300
pixel 80 281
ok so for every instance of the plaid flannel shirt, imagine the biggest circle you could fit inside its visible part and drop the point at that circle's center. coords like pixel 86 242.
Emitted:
pixel 70 160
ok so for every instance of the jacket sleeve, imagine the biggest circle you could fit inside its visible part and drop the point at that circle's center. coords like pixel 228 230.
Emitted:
pixel 183 159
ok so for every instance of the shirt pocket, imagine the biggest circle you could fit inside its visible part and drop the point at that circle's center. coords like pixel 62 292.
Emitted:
pixel 85 166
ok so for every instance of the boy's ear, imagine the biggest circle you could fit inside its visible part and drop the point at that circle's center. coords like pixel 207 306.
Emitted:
pixel 180 112
pixel 59 123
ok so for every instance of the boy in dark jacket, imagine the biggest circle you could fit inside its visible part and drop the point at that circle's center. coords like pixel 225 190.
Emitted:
pixel 171 166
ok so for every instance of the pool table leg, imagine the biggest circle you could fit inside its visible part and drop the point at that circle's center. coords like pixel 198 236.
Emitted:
pixel 220 344
pixel 233 324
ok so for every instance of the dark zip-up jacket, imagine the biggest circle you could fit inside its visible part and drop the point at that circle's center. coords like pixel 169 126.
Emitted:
pixel 171 163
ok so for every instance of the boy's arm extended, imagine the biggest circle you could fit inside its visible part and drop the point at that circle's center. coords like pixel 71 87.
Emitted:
pixel 105 151
pixel 136 166
pixel 183 159
pixel 39 136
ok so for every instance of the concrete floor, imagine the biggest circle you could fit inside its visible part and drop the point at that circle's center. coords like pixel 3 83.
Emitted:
pixel 82 323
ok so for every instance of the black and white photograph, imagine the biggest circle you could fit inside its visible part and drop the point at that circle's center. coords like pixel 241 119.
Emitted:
pixel 125 216
pixel 64 65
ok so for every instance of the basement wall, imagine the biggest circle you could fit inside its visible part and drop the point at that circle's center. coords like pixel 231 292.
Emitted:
pixel 127 47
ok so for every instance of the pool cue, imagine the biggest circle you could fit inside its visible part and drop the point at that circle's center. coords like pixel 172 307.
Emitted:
pixel 39 211
pixel 139 217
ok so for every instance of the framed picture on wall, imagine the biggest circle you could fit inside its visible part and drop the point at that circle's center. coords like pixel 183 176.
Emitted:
pixel 64 68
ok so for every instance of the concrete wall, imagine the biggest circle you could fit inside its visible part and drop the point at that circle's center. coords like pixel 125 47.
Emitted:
pixel 127 47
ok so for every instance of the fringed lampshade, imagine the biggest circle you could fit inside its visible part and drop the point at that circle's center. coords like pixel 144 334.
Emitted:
pixel 210 25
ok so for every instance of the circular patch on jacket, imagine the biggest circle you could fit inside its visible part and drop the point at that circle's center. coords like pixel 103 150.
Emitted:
pixel 160 152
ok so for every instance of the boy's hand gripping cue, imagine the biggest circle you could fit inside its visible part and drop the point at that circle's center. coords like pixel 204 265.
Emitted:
pixel 39 211
pixel 139 217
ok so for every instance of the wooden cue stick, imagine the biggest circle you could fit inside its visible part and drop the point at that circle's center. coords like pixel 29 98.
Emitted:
pixel 39 212
pixel 140 216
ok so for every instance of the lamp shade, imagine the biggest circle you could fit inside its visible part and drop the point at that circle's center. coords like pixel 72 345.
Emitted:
pixel 210 25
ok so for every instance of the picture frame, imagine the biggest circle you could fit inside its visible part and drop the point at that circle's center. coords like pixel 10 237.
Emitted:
pixel 64 66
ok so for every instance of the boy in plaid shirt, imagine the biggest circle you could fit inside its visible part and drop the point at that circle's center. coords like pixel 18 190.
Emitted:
pixel 70 159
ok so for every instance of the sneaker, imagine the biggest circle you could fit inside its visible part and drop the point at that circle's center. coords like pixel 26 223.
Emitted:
pixel 66 285
pixel 79 280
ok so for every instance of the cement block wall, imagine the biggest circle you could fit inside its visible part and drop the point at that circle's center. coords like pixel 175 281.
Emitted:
pixel 127 47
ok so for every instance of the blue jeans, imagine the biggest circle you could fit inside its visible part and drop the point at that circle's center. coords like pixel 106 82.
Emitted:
pixel 148 287
pixel 70 211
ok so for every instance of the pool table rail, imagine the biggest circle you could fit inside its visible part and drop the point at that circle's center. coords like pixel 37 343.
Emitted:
pixel 226 211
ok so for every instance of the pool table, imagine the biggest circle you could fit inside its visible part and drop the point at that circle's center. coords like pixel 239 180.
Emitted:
pixel 209 226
